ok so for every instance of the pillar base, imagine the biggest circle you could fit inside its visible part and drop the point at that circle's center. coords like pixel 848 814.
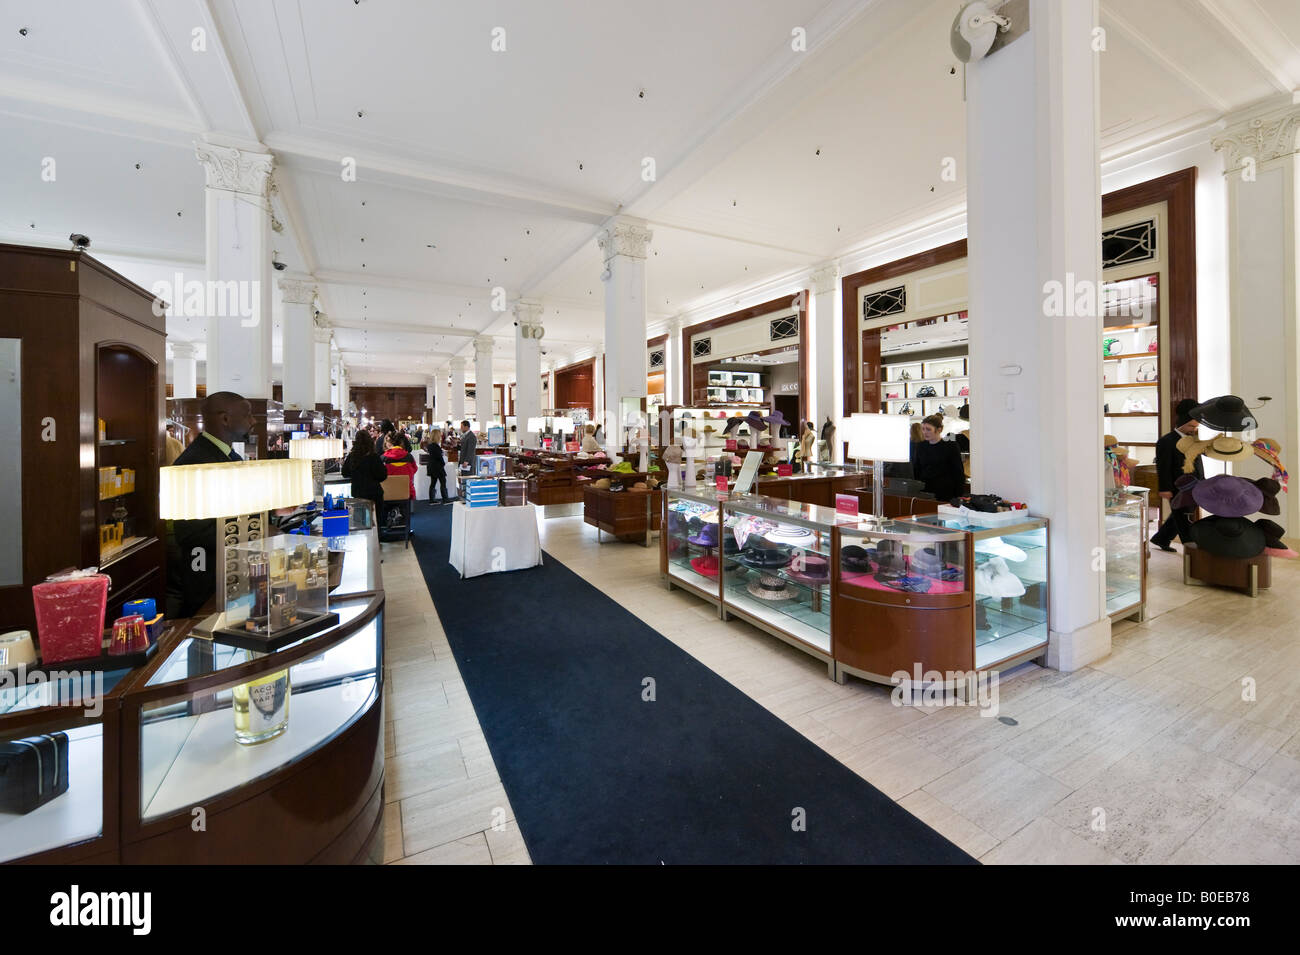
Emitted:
pixel 1071 651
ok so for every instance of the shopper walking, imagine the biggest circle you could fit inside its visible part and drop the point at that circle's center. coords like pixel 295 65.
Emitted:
pixel 937 462
pixel 398 458
pixel 365 469
pixel 437 466
pixel 1169 468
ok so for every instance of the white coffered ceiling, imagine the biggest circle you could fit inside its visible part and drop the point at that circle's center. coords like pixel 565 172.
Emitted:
pixel 479 168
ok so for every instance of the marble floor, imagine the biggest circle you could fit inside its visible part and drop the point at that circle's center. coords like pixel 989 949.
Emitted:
pixel 1181 746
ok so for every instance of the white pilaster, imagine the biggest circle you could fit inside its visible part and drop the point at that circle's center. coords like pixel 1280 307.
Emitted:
pixel 1034 214
pixel 674 373
pixel 457 391
pixel 185 371
pixel 238 224
pixel 483 387
pixel 321 375
pixel 823 356
pixel 528 370
pixel 443 383
pixel 298 354
pixel 1263 178
pixel 623 243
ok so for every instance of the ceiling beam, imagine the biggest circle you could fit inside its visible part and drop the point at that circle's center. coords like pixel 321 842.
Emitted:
pixel 1148 46
pixel 1250 28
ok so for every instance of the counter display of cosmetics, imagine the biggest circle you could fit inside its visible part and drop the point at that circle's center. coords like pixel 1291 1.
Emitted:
pixel 126 755
pixel 868 598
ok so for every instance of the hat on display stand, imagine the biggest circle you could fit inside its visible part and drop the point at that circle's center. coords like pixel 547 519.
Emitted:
pixel 1221 448
pixel 770 588
pixel 1228 536
pixel 707 536
pixel 1227 495
pixel 994 578
pixel 1225 413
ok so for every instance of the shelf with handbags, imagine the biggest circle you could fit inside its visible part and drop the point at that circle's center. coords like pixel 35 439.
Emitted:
pixel 1126 553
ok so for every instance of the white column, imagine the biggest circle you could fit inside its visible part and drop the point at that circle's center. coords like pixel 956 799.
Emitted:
pixel 824 361
pixel 457 391
pixel 623 244
pixel 336 378
pixel 528 370
pixel 321 376
pixel 1034 214
pixel 298 354
pixel 483 345
pixel 238 225
pixel 602 404
pixel 674 373
pixel 444 395
pixel 185 370
pixel 430 396
pixel 1263 173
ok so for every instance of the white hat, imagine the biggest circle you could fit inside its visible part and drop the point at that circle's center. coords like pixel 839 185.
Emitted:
pixel 994 579
pixel 999 548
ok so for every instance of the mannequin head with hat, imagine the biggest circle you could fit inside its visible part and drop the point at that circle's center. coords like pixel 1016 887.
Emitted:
pixel 1183 420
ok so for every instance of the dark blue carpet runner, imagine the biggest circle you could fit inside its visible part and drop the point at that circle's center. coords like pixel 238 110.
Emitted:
pixel 597 775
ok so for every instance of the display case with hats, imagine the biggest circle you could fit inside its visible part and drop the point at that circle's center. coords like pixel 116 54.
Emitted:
pixel 693 549
pixel 1006 580
pixel 778 573
pixel 1126 553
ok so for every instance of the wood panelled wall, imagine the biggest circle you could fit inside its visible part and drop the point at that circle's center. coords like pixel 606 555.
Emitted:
pixel 575 386
pixel 395 403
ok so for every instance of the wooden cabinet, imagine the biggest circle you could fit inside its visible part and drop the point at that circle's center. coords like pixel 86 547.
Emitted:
pixel 91 346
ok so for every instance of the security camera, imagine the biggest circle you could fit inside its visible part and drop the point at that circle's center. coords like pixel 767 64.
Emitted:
pixel 278 265
pixel 79 242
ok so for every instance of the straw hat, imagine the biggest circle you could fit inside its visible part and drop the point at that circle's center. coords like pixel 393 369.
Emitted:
pixel 770 588
pixel 1221 447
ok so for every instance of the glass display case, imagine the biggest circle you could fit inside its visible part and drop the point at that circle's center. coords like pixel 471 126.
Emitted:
pixel 1126 553
pixel 776 557
pixel 281 594
pixel 1009 578
pixel 57 741
pixel 202 710
pixel 689 542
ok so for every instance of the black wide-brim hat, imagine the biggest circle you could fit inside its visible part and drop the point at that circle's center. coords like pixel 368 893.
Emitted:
pixel 764 558
pixel 855 558
pixel 1272 532
pixel 1228 536
pixel 1225 413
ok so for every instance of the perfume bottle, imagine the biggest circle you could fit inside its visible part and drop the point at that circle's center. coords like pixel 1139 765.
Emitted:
pixel 261 706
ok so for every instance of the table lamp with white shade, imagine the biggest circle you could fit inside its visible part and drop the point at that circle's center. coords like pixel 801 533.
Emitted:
pixel 879 438
pixel 317 451
pixel 197 492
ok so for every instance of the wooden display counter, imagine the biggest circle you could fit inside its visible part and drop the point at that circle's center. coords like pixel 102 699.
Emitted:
pixel 627 515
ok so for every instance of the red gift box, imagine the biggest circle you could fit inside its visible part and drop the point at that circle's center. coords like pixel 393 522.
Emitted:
pixel 70 617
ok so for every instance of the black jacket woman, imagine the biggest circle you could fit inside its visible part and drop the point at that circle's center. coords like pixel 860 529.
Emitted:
pixel 366 470
pixel 938 462
pixel 437 466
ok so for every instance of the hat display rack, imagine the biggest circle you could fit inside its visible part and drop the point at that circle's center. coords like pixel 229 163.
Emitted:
pixel 1227 548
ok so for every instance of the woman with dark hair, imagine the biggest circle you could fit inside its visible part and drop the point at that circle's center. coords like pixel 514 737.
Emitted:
pixel 365 469
pixel 397 457
pixel 938 462
pixel 437 467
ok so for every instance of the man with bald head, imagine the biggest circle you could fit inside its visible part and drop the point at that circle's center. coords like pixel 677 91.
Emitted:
pixel 192 546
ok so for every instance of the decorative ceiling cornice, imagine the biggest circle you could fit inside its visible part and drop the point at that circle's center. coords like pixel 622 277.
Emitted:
pixel 1259 140
pixel 293 292
pixel 824 279
pixel 236 170
pixel 624 237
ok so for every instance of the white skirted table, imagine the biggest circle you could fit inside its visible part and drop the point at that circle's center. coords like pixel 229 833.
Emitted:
pixel 489 540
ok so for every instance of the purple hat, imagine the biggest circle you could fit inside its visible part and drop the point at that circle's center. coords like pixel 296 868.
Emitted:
pixel 775 422
pixel 755 421
pixel 1226 495
pixel 707 537
pixel 1182 498
pixel 816 569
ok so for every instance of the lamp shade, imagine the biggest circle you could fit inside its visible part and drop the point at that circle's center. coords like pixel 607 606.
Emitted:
pixel 316 449
pixel 194 492
pixel 879 437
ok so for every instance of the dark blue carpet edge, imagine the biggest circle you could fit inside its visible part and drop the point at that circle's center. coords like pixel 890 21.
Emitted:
pixel 597 775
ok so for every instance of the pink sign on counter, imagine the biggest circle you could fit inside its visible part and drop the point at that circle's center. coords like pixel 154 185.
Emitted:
pixel 846 503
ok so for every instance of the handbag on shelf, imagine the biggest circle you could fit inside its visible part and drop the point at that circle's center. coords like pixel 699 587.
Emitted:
pixel 964 391
pixel 946 373
pixel 1134 405
pixel 927 392
pixel 1153 346
pixel 891 394
pixel 906 409
pixel 1143 374
pixel 1109 347
pixel 904 376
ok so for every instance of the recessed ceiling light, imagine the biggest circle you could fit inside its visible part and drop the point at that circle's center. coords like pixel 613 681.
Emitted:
pixel 360 114
pixel 22 31
pixel 818 153
pixel 579 167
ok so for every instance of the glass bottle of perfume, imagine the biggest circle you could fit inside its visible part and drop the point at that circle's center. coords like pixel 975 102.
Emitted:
pixel 261 706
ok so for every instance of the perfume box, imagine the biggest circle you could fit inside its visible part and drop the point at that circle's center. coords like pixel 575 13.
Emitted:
pixel 70 616
pixel 32 772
